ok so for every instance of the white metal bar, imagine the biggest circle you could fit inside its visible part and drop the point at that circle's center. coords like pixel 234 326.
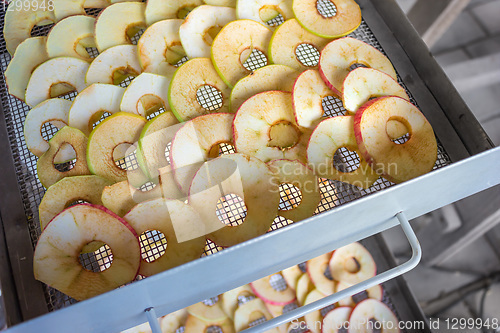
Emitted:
pixel 357 288
pixel 154 324
pixel 201 279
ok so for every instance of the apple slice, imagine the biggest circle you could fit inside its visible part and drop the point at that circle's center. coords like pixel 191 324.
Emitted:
pixel 169 217
pixel 352 264
pixel 270 77
pixel 71 36
pixel 173 321
pixel 159 10
pixel 373 313
pixel 56 255
pixel 339 55
pixel 273 289
pixel 249 312
pixel 336 320
pixel 114 65
pixel 243 176
pixel 65 72
pixel 118 23
pixel 19 23
pixel 232 41
pixel 196 142
pixel 323 22
pixel 256 9
pixel 146 94
pixel 230 299
pixel 265 127
pixel 308 93
pixel 159 47
pixel 195 325
pixel 224 3
pixel 313 318
pixel 91 103
pixel 285 46
pixel 304 287
pixel 28 56
pixel 66 192
pixel 47 173
pixel 200 27
pixel 397 162
pixel 316 268
pixel 120 128
pixel 328 137
pixel 186 90
pixel 375 292
pixel 291 276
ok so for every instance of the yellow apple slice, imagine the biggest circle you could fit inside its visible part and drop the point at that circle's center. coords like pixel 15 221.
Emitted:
pixel 292 275
pixel 71 36
pixel 285 46
pixel 19 23
pixel 337 319
pixel 303 203
pixel 239 175
pixel 328 137
pixel 396 162
pixel 200 27
pixel 236 38
pixel 160 48
pixel 375 292
pixel 118 23
pixel 146 94
pixel 224 3
pixel 313 318
pixel 264 289
pixel 114 65
pixel 352 264
pixel 265 127
pixel 304 287
pixel 256 9
pixel 63 71
pixel 196 142
pixel 308 93
pixel 183 94
pixel 346 19
pixel 249 312
pixel 91 103
pixel 66 192
pixel 120 128
pixel 370 311
pixel 316 268
pixel 230 299
pixel 338 57
pixel 270 77
pixel 167 217
pixel 56 255
pixel 28 56
pixel 159 10
pixel 47 173
pixel 362 84
pixel 195 325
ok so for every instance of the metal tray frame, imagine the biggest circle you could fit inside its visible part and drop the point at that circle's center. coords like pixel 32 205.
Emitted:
pixel 458 131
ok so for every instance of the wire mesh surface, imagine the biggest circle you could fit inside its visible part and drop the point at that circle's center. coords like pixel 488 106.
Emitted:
pixel 334 193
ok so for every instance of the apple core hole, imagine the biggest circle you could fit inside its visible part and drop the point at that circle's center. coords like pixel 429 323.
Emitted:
pixel 174 53
pixel 211 301
pixel 397 131
pixel 146 187
pixel 39 29
pixel 123 77
pixel 307 54
pixel 65 158
pixel 357 65
pixel 326 8
pixel 303 267
pixel 135 33
pixel 181 329
pixel 92 52
pixel 153 245
pixel 290 196
pixel 283 135
pixel 245 297
pixel 352 265
pixel 75 202
pixel 271 15
pixel 209 97
pixel 332 106
pixel 256 318
pixel 222 148
pixel 214 329
pixel 149 104
pixel 100 117
pixel 168 148
pixel 124 158
pixel 277 282
pixel 253 59
pixel 346 160
pixel 231 210
pixel 63 90
pixel 50 128
pixel 184 11
pixel 327 272
pixel 356 298
pixel 96 256
pixel 210 34
pixel 375 325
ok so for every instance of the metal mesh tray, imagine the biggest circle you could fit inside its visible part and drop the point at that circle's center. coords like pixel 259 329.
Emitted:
pixel 334 193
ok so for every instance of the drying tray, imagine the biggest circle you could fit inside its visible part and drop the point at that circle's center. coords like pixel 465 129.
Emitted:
pixel 384 26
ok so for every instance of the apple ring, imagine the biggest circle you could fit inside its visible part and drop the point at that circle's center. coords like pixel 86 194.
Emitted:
pixel 352 264
pixel 329 136
pixel 304 179
pixel 285 41
pixel 248 312
pixel 47 173
pixel 171 218
pixel 339 55
pixel 159 10
pixel 253 10
pixel 241 175
pixel 67 191
pixel 397 162
pixel 369 311
pixel 71 36
pixel 346 19
pixel 265 127
pixel 60 244
pixel 194 31
pixel 114 65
